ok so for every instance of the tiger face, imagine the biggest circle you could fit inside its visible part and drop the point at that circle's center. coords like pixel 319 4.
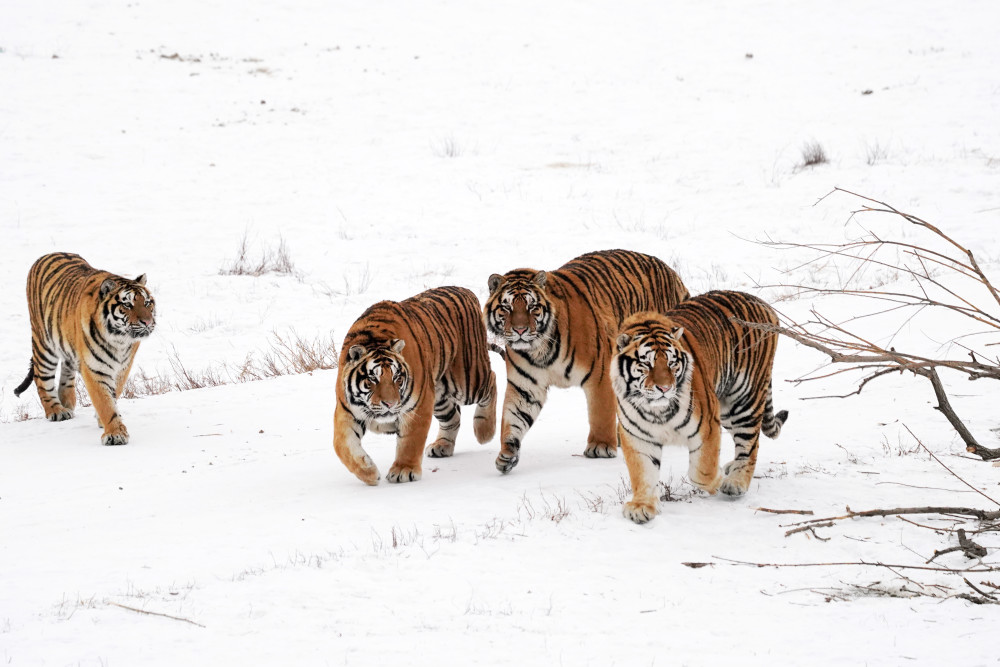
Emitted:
pixel 652 366
pixel 378 382
pixel 518 309
pixel 127 308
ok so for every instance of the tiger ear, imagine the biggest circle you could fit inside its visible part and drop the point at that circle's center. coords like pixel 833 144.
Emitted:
pixel 539 278
pixel 494 282
pixel 356 352
pixel 108 285
pixel 623 340
pixel 397 345
pixel 676 332
pixel 141 279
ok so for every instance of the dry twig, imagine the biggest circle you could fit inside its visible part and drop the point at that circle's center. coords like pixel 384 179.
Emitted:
pixel 156 613
pixel 949 469
pixel 983 568
pixel 764 509
pixel 965 545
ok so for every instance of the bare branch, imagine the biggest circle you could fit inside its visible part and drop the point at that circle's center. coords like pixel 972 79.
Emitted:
pixel 764 509
pixel 982 515
pixel 939 460
pixel 983 568
pixel 155 613
pixel 932 274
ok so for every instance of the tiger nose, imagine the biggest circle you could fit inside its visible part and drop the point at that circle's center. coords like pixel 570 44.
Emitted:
pixel 389 404
pixel 519 330
pixel 663 388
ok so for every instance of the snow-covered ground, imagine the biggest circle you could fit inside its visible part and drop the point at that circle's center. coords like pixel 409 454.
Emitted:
pixel 391 147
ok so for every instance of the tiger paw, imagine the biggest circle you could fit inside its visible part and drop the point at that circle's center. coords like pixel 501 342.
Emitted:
pixel 506 462
pixel 734 486
pixel 640 512
pixel 364 469
pixel 440 449
pixel 600 451
pixel 59 413
pixel 736 481
pixel 116 436
pixel 399 474
pixel 709 485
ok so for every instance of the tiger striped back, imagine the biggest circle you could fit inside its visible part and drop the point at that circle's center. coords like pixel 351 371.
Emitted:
pixel 558 327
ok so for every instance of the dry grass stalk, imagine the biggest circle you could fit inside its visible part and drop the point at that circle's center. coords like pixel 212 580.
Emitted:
pixel 269 261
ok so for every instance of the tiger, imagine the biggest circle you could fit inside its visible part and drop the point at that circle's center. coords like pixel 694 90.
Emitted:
pixel 558 328
pixel 402 363
pixel 91 322
pixel 680 377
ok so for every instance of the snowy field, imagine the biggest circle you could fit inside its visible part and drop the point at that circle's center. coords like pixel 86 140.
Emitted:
pixel 389 147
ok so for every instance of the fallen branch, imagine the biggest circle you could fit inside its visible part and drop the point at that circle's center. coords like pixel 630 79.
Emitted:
pixel 980 600
pixel 942 276
pixel 984 453
pixel 888 566
pixel 946 467
pixel 155 613
pixel 982 515
pixel 810 528
pixel 981 592
pixel 764 509
pixel 965 545
pixel 944 407
pixel 937 529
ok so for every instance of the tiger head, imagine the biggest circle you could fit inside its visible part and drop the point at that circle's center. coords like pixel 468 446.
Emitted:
pixel 653 364
pixel 519 310
pixel 378 381
pixel 127 308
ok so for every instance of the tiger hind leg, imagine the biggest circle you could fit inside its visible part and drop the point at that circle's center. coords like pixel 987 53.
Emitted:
pixel 773 422
pixel 738 473
pixel 44 363
pixel 602 442
pixel 703 459
pixel 449 416
pixel 484 422
pixel 67 385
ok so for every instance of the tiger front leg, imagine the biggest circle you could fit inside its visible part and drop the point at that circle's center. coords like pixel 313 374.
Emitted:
pixel 521 405
pixel 106 406
pixel 126 369
pixel 643 461
pixel 601 411
pixel 347 433
pixel 413 429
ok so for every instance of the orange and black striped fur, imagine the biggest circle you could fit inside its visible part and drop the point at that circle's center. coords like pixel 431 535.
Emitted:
pixel 91 322
pixel 559 329
pixel 682 376
pixel 404 362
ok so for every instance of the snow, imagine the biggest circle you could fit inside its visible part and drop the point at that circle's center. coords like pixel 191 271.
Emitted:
pixel 394 147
